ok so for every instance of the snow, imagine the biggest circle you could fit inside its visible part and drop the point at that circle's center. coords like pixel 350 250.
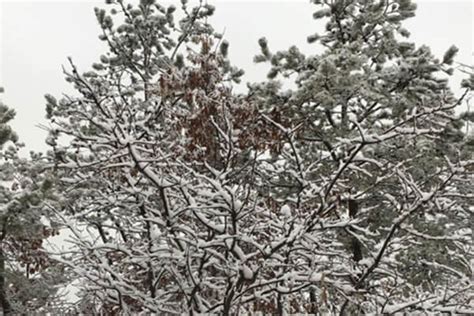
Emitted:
pixel 247 273
pixel 285 211
pixel 71 292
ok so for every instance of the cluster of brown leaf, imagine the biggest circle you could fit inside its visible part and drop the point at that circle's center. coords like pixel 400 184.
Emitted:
pixel 212 105
pixel 29 251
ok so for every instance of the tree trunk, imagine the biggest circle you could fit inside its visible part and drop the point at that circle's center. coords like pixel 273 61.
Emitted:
pixel 6 307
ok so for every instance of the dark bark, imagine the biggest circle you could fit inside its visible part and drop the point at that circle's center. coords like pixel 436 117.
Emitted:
pixel 353 207
pixel 356 249
pixel 6 306
pixel 313 302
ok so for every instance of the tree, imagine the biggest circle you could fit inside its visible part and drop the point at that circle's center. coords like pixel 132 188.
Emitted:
pixel 342 195
pixel 381 120
pixel 29 277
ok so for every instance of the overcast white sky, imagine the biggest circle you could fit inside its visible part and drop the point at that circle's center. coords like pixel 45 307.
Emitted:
pixel 37 36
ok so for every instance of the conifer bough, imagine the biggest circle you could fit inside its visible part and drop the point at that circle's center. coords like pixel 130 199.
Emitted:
pixel 185 197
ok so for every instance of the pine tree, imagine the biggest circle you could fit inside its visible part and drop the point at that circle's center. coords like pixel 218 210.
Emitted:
pixel 372 120
pixel 29 277
pixel 348 194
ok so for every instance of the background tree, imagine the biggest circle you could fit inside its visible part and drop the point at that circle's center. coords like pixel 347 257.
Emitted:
pixel 341 195
pixel 29 278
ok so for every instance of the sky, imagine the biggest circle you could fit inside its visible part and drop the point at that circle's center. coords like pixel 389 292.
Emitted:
pixel 36 37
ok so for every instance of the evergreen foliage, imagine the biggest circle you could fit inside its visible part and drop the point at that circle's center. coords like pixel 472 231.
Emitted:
pixel 351 193
pixel 29 276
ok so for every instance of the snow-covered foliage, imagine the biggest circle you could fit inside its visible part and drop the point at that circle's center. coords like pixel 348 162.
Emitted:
pixel 351 193
pixel 29 278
